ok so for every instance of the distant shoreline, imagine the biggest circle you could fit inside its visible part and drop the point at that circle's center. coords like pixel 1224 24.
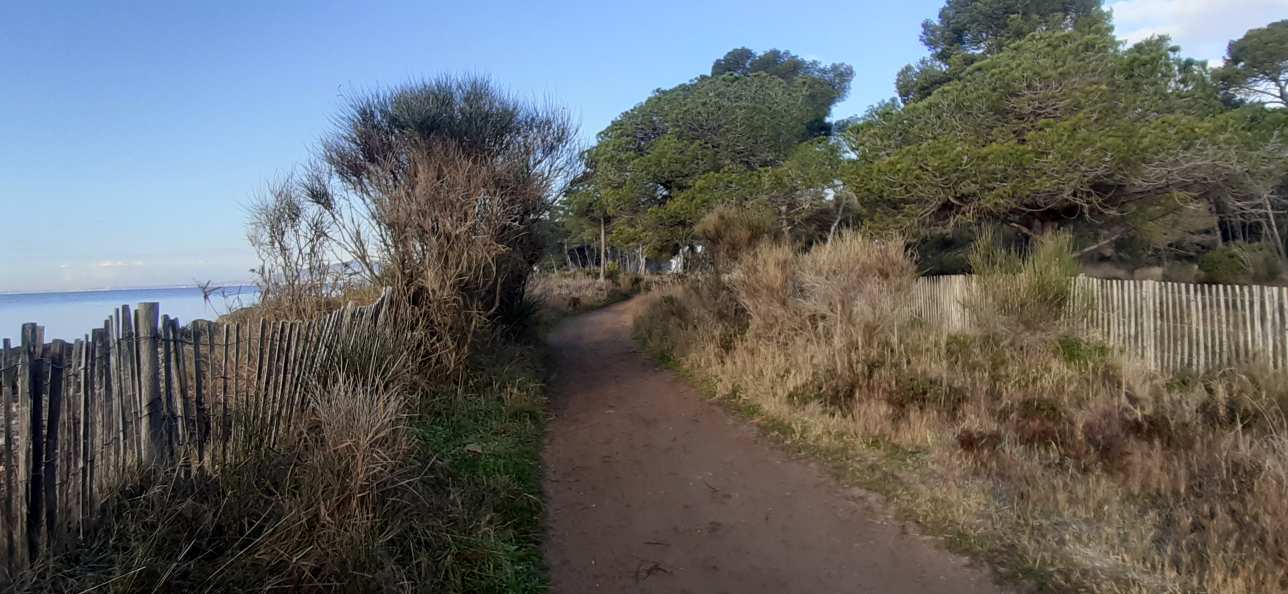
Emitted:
pixel 221 286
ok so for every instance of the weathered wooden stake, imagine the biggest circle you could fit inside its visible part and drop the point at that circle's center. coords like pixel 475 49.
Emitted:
pixel 8 392
pixel 156 450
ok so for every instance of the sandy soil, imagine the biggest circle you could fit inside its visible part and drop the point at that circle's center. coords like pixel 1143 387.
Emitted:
pixel 653 489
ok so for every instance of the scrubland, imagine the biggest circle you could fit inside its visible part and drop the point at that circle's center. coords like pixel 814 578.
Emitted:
pixel 1020 441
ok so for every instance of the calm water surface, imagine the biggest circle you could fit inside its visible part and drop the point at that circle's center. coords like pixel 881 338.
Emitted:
pixel 72 315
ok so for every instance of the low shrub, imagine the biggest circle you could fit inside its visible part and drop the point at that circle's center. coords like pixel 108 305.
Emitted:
pixel 1241 264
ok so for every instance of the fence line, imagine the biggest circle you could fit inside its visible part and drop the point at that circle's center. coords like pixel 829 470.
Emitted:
pixel 1169 326
pixel 84 418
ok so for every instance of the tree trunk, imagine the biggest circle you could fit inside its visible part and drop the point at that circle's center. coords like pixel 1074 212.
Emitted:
pixel 1273 225
pixel 603 248
pixel 836 221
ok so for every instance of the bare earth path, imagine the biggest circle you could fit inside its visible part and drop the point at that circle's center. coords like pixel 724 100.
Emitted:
pixel 653 489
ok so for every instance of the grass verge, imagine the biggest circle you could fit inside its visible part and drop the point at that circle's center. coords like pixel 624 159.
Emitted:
pixel 483 446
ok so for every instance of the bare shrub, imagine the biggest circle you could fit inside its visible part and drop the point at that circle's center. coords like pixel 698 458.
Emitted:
pixel 765 285
pixel 295 275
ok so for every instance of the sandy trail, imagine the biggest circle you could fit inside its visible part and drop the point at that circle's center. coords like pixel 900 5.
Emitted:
pixel 653 489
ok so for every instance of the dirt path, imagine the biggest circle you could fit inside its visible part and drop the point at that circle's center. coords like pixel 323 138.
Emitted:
pixel 653 489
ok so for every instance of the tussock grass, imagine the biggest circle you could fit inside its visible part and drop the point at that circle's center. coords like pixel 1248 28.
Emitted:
pixel 1067 466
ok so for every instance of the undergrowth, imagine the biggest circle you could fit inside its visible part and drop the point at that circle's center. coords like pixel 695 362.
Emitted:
pixel 1067 466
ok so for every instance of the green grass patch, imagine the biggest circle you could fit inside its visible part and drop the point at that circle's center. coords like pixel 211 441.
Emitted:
pixel 482 446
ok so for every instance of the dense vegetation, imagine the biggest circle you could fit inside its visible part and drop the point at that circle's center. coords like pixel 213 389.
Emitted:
pixel 1028 115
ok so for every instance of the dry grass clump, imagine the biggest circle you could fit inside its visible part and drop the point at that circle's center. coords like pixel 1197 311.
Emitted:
pixel 564 293
pixel 572 292
pixel 1019 440
pixel 731 231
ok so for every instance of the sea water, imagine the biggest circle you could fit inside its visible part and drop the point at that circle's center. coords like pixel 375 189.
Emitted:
pixel 71 315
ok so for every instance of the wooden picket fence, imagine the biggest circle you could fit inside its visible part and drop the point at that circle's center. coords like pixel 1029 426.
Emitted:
pixel 1169 326
pixel 83 419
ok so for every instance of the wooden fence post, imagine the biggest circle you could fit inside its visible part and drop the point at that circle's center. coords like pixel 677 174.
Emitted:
pixel 167 386
pixel 199 397
pixel 155 445
pixel 52 437
pixel 92 414
pixel 8 392
pixel 223 402
pixel 238 399
pixel 183 426
pixel 34 448
pixel 109 431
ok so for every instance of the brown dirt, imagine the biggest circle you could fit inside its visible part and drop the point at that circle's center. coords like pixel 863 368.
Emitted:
pixel 651 488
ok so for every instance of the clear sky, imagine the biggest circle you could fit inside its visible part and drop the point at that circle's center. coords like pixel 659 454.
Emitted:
pixel 134 133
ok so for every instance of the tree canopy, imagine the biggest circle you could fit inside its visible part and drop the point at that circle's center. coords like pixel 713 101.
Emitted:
pixel 1065 129
pixel 1028 114
pixel 969 30
pixel 750 113
pixel 1256 65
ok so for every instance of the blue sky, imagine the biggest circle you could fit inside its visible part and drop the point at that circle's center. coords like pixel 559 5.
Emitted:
pixel 134 133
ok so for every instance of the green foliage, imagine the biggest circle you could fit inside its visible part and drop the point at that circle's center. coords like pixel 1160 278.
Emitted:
pixel 1081 352
pixel 986 26
pixel 751 113
pixel 484 441
pixel 1256 65
pixel 969 30
pixel 1223 266
pixel 1241 264
pixel 611 271
pixel 826 84
pixel 801 194
pixel 1062 130
pixel 917 81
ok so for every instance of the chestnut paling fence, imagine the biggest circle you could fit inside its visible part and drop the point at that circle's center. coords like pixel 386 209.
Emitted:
pixel 1166 325
pixel 84 418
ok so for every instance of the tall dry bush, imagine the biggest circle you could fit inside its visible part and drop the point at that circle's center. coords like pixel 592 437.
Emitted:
pixel 1027 443
pixel 729 232
pixel 459 148
pixel 296 278
pixel 434 189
